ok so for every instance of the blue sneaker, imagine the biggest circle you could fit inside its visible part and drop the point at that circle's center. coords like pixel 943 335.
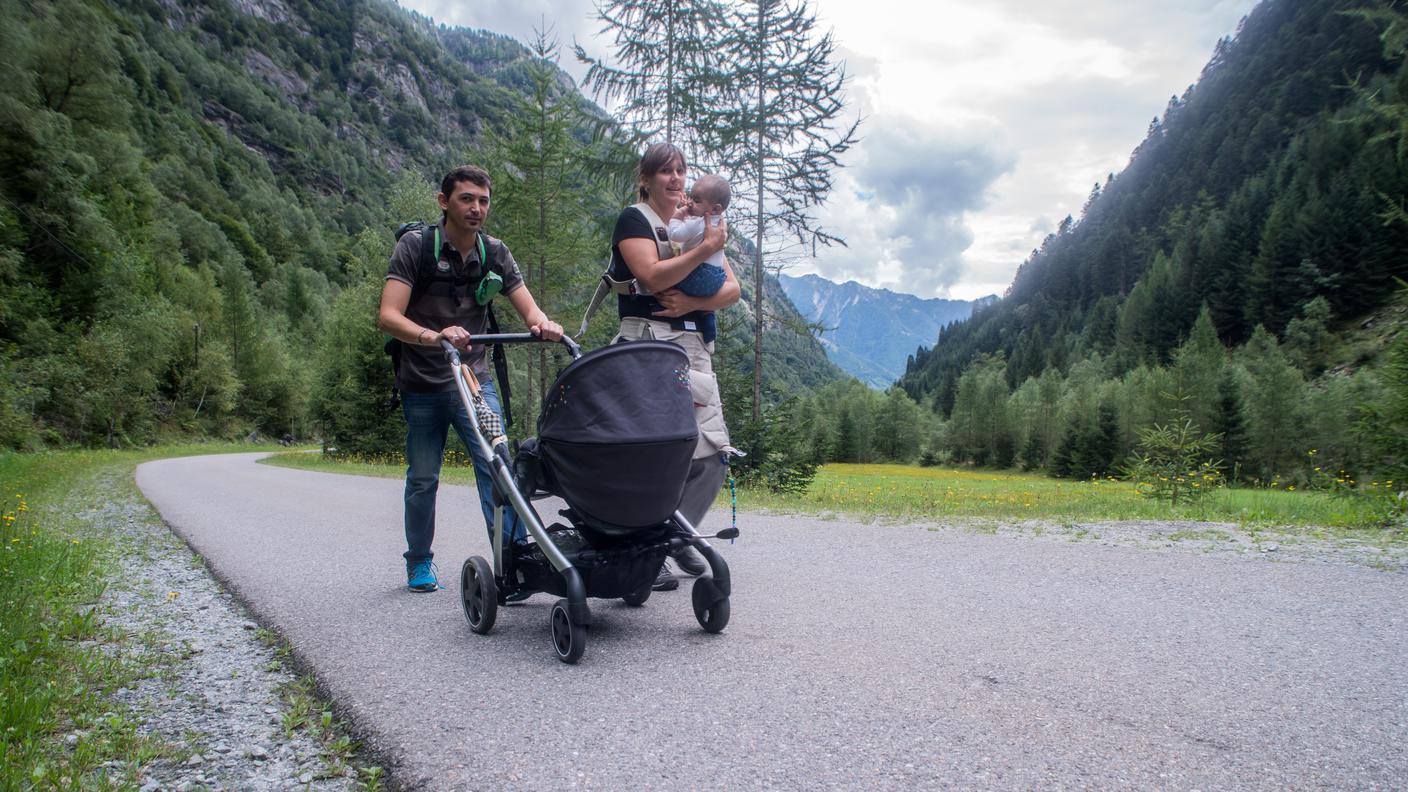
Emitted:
pixel 420 575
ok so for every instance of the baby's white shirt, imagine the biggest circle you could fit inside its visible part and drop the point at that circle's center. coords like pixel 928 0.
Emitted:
pixel 689 233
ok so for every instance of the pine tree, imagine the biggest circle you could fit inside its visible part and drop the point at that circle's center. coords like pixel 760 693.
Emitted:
pixel 1230 424
pixel 1275 405
pixel 779 136
pixel 1102 447
pixel 1308 338
pixel 665 50
pixel 1197 370
pixel 540 189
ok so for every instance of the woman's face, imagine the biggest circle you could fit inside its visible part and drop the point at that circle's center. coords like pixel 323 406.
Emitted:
pixel 666 186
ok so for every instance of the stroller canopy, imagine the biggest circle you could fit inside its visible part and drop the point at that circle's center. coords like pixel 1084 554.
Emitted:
pixel 617 433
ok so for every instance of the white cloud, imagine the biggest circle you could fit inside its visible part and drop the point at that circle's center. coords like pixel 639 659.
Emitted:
pixel 519 18
pixel 987 121
pixel 903 205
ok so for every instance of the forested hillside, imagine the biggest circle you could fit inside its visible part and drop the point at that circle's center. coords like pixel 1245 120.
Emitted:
pixel 1258 190
pixel 1266 199
pixel 198 200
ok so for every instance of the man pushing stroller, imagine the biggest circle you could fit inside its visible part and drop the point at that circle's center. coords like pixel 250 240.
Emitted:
pixel 439 286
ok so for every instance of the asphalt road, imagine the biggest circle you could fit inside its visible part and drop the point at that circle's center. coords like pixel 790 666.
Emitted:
pixel 858 657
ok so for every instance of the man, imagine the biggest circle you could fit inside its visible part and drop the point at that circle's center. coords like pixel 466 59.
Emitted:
pixel 470 267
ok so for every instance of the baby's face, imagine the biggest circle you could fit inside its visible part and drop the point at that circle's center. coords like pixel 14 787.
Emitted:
pixel 697 206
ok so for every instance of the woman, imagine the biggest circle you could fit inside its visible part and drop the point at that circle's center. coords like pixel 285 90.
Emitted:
pixel 640 250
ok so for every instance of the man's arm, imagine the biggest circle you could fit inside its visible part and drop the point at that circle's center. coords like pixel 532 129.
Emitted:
pixel 538 322
pixel 392 319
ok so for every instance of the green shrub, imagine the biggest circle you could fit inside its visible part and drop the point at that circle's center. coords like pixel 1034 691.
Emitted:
pixel 1173 462
pixel 772 444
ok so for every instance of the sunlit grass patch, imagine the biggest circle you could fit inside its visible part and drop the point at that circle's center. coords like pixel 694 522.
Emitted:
pixel 904 492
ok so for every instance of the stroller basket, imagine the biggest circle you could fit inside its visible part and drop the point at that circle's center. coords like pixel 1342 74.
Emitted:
pixel 618 434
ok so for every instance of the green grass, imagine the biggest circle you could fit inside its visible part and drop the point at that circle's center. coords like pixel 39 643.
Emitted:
pixel 58 661
pixel 913 493
pixel 456 470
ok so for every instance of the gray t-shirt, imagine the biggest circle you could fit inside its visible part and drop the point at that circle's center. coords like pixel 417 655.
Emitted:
pixel 441 305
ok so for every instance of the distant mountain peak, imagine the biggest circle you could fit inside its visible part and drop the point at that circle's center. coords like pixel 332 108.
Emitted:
pixel 870 332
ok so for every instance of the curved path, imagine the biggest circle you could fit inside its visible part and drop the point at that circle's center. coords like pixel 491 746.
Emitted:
pixel 860 658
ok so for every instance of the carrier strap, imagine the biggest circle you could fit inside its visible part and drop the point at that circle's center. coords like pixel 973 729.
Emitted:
pixel 630 286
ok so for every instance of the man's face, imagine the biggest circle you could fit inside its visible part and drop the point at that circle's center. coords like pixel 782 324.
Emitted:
pixel 467 207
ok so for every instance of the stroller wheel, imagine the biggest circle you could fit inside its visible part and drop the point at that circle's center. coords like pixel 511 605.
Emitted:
pixel 478 595
pixel 710 608
pixel 568 640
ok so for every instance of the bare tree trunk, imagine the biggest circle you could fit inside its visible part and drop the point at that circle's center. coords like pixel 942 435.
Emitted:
pixel 670 73
pixel 758 231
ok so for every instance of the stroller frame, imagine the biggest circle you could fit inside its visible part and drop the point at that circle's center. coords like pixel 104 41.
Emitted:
pixel 484 587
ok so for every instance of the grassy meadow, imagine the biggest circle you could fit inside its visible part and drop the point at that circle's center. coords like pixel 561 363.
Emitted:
pixel 903 492
pixel 915 493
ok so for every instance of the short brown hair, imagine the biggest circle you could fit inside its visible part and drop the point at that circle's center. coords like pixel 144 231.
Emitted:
pixel 714 189
pixel 470 173
pixel 654 160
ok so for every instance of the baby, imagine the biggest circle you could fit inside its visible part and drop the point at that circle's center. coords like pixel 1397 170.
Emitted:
pixel 709 196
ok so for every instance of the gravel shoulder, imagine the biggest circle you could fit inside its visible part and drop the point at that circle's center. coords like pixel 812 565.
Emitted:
pixel 216 690
pixel 1383 550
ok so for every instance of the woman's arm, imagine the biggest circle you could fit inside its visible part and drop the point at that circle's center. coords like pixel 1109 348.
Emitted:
pixel 642 258
pixel 677 303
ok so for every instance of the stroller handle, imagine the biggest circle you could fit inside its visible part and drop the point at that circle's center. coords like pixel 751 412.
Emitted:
pixel 453 355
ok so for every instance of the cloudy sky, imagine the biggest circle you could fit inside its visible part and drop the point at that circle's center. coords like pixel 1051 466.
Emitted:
pixel 986 121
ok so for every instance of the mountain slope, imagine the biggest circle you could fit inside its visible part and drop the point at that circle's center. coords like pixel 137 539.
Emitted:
pixel 187 190
pixel 1260 189
pixel 870 333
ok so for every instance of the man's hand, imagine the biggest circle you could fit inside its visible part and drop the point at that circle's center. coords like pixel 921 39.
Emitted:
pixel 548 330
pixel 456 335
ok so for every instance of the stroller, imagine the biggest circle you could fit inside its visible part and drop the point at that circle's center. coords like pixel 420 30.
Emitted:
pixel 616 438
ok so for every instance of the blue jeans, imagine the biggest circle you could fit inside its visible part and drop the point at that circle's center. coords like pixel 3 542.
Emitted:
pixel 428 419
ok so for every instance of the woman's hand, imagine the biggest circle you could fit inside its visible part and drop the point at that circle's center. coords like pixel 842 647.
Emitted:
pixel 715 235
pixel 675 303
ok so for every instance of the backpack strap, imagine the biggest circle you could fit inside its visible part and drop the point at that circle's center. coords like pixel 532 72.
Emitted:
pixel 427 261
pixel 496 355
pixel 427 265
pixel 496 352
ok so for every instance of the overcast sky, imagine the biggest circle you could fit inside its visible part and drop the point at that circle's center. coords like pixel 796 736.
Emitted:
pixel 986 121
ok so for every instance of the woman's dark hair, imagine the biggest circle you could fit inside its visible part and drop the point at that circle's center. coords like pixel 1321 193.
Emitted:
pixel 470 173
pixel 654 160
